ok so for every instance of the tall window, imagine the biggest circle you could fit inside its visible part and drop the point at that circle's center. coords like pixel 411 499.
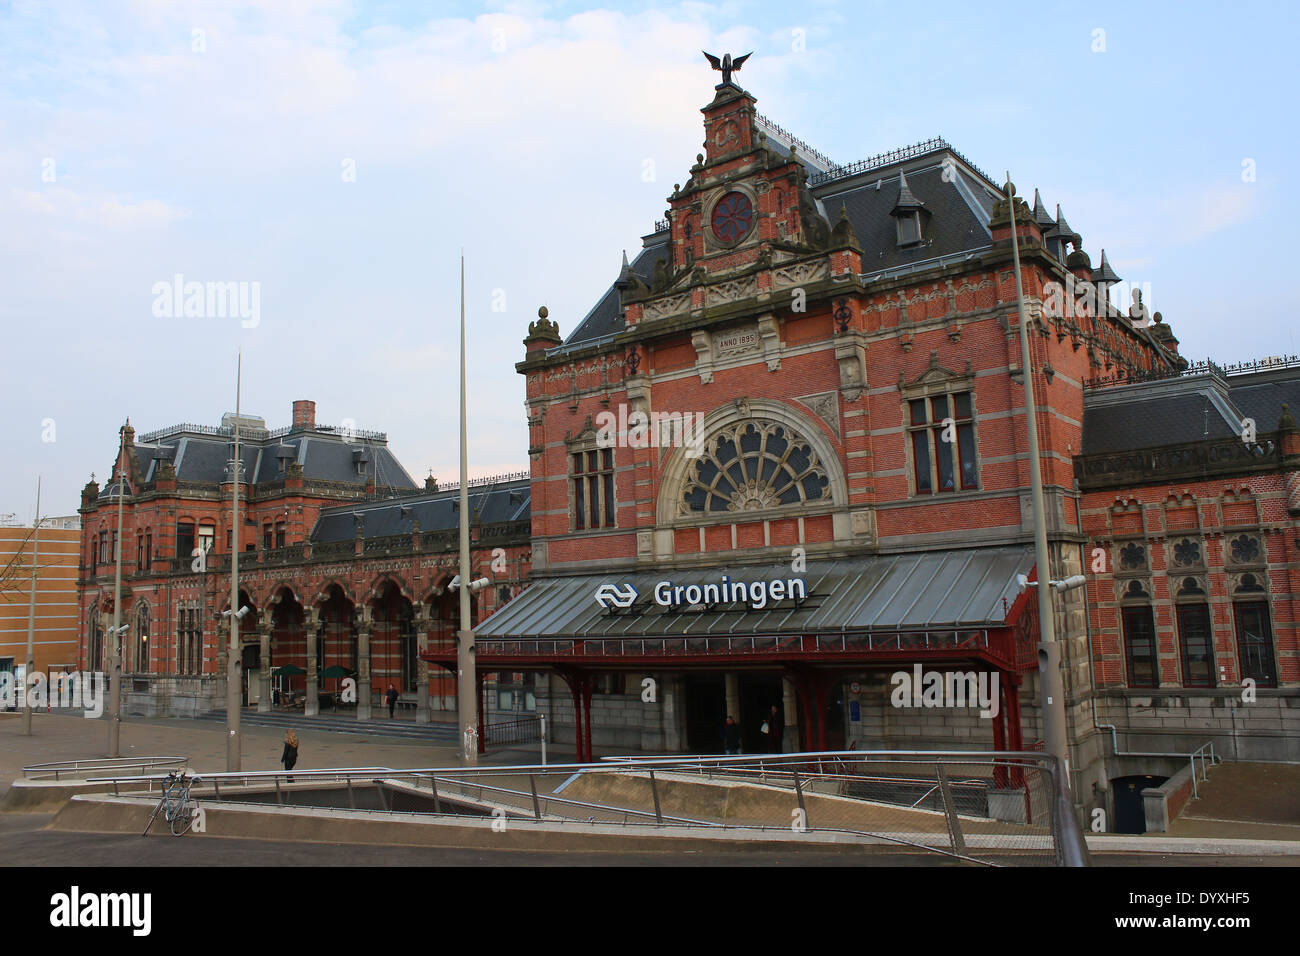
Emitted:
pixel 95 652
pixel 1197 641
pixel 184 539
pixel 592 481
pixel 142 623
pixel 941 429
pixel 207 537
pixel 1140 644
pixel 102 557
pixel 267 536
pixel 279 534
pixel 148 550
pixel 139 552
pixel 1255 642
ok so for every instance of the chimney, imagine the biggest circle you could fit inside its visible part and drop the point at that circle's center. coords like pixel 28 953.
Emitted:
pixel 304 415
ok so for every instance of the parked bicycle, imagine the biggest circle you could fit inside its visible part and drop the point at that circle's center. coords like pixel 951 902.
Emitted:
pixel 176 806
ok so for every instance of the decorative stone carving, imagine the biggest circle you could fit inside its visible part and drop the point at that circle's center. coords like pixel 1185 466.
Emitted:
pixel 703 344
pixel 666 306
pixel 826 406
pixel 864 523
pixel 799 273
pixel 770 330
pixel 731 291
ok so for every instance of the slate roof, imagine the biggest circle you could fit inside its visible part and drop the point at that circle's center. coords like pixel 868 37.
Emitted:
pixel 957 220
pixel 958 215
pixel 1174 411
pixel 202 457
pixel 436 511
pixel 606 318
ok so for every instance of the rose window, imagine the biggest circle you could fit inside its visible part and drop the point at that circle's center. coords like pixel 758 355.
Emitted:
pixel 1245 549
pixel 732 217
pixel 753 466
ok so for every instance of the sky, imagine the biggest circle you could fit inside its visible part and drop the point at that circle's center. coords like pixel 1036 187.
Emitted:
pixel 335 158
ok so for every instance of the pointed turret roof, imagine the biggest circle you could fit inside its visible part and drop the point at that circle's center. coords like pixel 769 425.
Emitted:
pixel 1104 272
pixel 907 201
pixel 1063 231
pixel 1041 215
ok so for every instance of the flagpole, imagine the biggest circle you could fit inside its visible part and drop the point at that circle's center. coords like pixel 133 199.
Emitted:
pixel 30 669
pixel 234 746
pixel 466 679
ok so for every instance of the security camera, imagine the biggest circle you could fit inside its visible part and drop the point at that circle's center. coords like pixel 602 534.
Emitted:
pixel 1070 583
pixel 478 585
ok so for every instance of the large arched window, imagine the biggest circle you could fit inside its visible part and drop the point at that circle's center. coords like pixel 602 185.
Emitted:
pixel 753 465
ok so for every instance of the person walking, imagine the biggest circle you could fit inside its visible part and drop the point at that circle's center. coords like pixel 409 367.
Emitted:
pixel 731 736
pixel 290 755
pixel 391 696
pixel 774 729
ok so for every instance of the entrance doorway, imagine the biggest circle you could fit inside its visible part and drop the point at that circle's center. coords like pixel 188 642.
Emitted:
pixel 758 692
pixel 1130 815
pixel 835 735
pixel 706 710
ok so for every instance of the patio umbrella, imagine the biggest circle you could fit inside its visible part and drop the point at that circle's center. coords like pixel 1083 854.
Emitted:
pixel 335 671
pixel 288 670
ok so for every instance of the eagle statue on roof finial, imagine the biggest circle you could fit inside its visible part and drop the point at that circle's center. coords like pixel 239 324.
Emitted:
pixel 726 64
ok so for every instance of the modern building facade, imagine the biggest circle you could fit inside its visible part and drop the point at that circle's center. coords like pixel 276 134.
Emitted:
pixel 55 552
pixel 808 382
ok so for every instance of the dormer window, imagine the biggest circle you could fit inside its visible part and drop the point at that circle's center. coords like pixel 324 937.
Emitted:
pixel 907 213
pixel 909 228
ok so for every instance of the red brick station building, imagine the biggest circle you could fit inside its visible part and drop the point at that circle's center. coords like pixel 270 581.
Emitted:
pixel 836 488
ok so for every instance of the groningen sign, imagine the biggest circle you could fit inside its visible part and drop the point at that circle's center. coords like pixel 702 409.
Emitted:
pixel 755 595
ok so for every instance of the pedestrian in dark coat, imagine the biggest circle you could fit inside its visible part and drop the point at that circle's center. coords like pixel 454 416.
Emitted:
pixel 290 755
pixel 731 736
pixel 391 696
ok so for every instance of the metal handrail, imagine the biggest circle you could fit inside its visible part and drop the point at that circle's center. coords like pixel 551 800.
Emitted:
pixel 1066 838
pixel 1206 752
pixel 67 767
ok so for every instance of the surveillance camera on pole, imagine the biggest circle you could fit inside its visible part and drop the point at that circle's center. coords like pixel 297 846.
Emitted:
pixel 477 585
pixel 241 614
pixel 1068 584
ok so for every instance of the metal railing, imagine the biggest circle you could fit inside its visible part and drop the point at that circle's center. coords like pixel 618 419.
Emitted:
pixel 1208 759
pixel 966 638
pixel 74 769
pixel 993 808
pixel 524 730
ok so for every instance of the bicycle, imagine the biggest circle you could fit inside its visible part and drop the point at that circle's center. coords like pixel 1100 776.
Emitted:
pixel 175 805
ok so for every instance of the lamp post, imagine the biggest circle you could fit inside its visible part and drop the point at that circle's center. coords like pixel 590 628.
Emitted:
pixel 1049 651
pixel 115 635
pixel 234 743
pixel 30 667
pixel 466 679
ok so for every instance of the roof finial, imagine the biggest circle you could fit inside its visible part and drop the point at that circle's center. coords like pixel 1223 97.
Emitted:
pixel 726 65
